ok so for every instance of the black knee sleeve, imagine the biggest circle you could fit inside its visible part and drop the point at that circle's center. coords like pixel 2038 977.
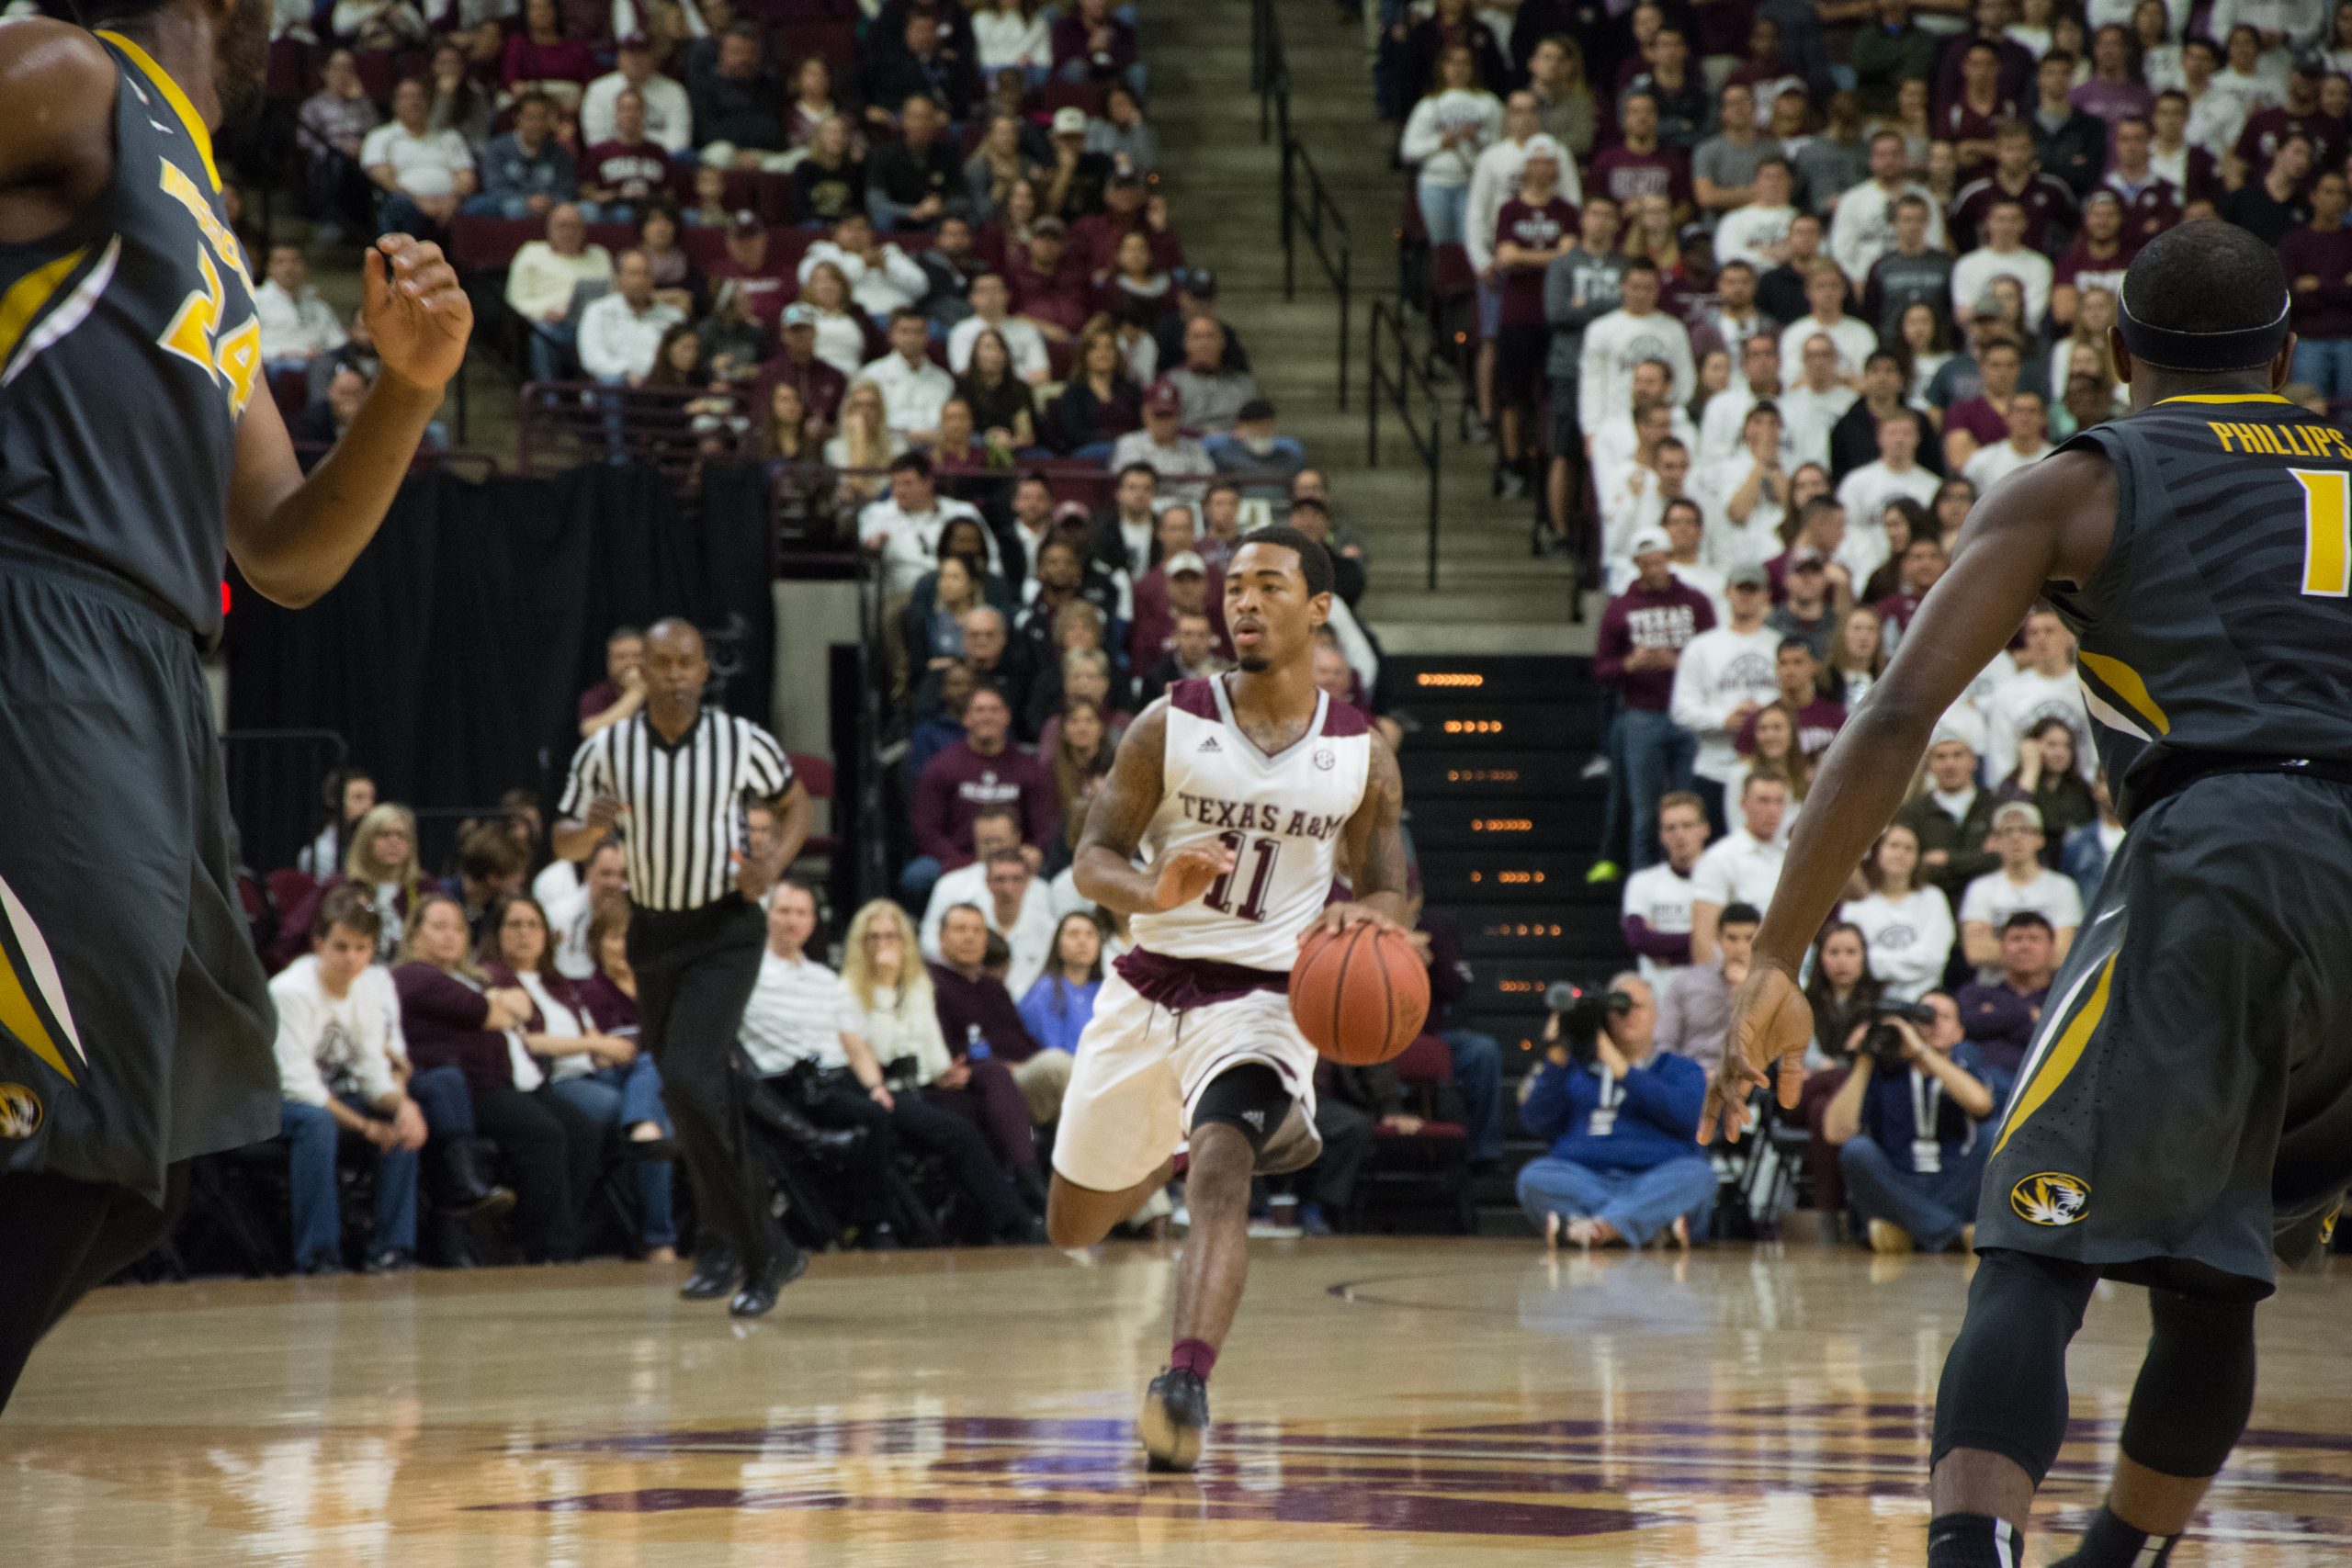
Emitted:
pixel 2004 1388
pixel 1249 1098
pixel 2196 1387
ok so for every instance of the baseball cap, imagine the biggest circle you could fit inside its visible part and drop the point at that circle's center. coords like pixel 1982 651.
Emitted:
pixel 2010 811
pixel 1069 120
pixel 1961 724
pixel 1802 555
pixel 1125 178
pixel 1049 225
pixel 1072 512
pixel 747 222
pixel 1253 411
pixel 1162 399
pixel 635 40
pixel 1542 146
pixel 1184 561
pixel 1746 574
pixel 799 314
pixel 1651 541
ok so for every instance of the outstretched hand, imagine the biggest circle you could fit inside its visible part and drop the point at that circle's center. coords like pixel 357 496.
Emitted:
pixel 1771 1024
pixel 416 312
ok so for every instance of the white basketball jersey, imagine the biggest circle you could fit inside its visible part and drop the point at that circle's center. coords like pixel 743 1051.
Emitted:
pixel 1281 816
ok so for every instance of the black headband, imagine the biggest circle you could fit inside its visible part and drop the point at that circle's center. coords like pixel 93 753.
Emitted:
pixel 2170 350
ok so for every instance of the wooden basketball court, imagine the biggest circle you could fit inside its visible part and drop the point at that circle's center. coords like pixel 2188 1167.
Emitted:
pixel 1383 1402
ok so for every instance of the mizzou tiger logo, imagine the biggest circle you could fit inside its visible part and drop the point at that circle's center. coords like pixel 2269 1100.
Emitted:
pixel 2050 1198
pixel 19 1112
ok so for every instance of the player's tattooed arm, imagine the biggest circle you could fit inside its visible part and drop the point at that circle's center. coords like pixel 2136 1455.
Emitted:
pixel 1116 824
pixel 1372 851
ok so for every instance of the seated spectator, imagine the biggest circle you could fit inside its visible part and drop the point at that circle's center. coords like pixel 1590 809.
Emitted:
pixel 1255 453
pixel 979 770
pixel 2001 1011
pixel 382 860
pixel 991 304
pixel 914 182
pixel 1191 655
pixel 1091 44
pixel 1771 751
pixel 1176 459
pixel 621 332
pixel 492 866
pixel 2096 259
pixel 1080 674
pixel 906 528
pixel 525 172
pixel 1003 408
pixel 1099 405
pixel 994 828
pixel 543 285
pixel 1756 232
pixel 1853 440
pixel 332 128
pixel 296 326
pixel 829 1046
pixel 1059 1003
pixel 1125 207
pixel 341 1059
pixel 829 181
pixel 734 107
pixel 462 102
pixel 1982 420
pixel 2029 428
pixel 1809 613
pixel 664 115
pixel 1896 474
pixel 539 56
pixel 1694 1011
pixel 1815 717
pixel 2273 206
pixel 1906 925
pixel 1048 283
pixel 452 1017
pixel 2021 882
pixel 1951 817
pixel 626 169
pixel 1905 1126
pixel 1016 907
pixel 376 25
pixel 350 795
pixel 1655 912
pixel 883 280
pixel 1851 338
pixel 423 174
pixel 1350 1105
pixel 323 421
pixel 802 361
pixel 1744 866
pixel 602 1077
pixel 1622 1120
pixel 1067 575
pixel 2046 778
pixel 1134 283
pixel 622 692
pixel 1006 1081
pixel 2004 253
pixel 917 57
pixel 837 329
pixel 997 164
pixel 912 388
pixel 1210 396
pixel 1722 675
pixel 2044 686
pixel 571 897
pixel 1856 656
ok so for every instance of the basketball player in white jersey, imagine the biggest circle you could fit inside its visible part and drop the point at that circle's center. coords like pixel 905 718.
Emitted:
pixel 1245 795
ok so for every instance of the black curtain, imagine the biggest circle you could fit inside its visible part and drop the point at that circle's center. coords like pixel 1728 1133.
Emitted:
pixel 453 655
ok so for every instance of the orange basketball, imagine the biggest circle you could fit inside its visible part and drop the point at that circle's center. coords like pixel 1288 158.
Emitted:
pixel 1359 996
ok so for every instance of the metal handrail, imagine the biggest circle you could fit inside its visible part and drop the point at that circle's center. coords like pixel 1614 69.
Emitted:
pixel 1397 385
pixel 1269 73
pixel 1326 227
pixel 873 856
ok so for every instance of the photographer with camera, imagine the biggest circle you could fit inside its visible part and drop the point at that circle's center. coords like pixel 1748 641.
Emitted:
pixel 1622 1118
pixel 1906 1125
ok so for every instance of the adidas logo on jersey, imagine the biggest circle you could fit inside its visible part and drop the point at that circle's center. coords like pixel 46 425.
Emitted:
pixel 1256 1119
pixel 1209 745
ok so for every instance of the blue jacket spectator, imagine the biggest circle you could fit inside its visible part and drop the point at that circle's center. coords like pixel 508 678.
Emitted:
pixel 1624 1162
pixel 525 172
pixel 1909 1143
pixel 1060 1002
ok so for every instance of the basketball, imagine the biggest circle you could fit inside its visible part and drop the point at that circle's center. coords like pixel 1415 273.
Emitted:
pixel 1359 996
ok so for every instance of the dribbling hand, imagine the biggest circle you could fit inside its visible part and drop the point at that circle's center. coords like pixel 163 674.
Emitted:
pixel 1770 1023
pixel 1188 874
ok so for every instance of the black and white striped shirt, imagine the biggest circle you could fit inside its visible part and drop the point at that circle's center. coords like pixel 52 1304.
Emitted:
pixel 685 802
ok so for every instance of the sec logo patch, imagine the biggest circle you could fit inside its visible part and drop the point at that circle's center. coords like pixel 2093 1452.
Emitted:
pixel 2050 1198
pixel 20 1112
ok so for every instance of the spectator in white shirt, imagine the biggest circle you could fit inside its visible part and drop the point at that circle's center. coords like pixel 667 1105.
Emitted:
pixel 669 114
pixel 1655 911
pixel 1750 490
pixel 1182 463
pixel 1686 534
pixel 543 288
pixel 297 326
pixel 1638 502
pixel 341 1060
pixel 2022 882
pixel 621 331
pixel 1019 909
pixel 1726 673
pixel 423 174
pixel 1723 426
pixel 2029 442
pixel 1811 409
pixel 992 302
pixel 882 278
pixel 1905 924
pixel 1865 493
pixel 1757 233
pixel 2004 254
pixel 1744 866
pixel 913 389
pixel 1863 229
pixel 1444 136
pixel 906 525
pixel 1619 439
pixel 994 827
pixel 1613 344
pixel 571 912
pixel 1824 290
pixel 2044 686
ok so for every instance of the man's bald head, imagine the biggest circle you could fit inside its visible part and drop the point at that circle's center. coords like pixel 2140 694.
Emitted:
pixel 677 670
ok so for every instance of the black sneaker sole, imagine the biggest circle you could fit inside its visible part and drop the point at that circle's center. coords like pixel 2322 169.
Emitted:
pixel 1169 1449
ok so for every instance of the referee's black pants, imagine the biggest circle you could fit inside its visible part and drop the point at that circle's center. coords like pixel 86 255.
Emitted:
pixel 696 970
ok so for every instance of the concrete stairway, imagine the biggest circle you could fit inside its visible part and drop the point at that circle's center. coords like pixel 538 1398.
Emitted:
pixel 1493 596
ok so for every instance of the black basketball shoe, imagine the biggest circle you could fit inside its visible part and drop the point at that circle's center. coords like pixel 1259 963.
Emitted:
pixel 1175 1415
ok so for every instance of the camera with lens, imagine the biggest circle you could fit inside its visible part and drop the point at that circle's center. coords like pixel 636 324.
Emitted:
pixel 1580 1014
pixel 1883 1043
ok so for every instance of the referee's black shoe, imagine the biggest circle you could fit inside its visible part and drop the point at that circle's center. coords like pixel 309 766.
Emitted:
pixel 1175 1417
pixel 714 1275
pixel 766 1279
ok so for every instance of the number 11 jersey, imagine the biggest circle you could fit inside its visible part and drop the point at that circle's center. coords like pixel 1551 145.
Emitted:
pixel 1282 816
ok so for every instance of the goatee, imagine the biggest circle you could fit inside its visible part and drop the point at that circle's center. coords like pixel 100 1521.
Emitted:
pixel 1255 664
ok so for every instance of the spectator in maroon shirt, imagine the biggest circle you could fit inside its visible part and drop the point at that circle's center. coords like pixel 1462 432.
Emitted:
pixel 2097 258
pixel 1642 636
pixel 1984 419
pixel 1923 562
pixel 982 769
pixel 622 691
pixel 2001 1017
pixel 1049 284
pixel 759 278
pixel 821 386
pixel 624 173
pixel 992 1053
pixel 2317 259
pixel 2049 205
pixel 1968 121
pixel 2114 90
pixel 1094 239
pixel 2011 61
pixel 1093 45
pixel 1640 164
pixel 2301 115
pixel 1817 717
pixel 2152 203
pixel 1534 228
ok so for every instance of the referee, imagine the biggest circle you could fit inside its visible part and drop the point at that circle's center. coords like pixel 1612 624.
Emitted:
pixel 681 776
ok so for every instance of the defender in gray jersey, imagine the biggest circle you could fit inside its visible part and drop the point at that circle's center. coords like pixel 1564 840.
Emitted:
pixel 135 458
pixel 2186 1109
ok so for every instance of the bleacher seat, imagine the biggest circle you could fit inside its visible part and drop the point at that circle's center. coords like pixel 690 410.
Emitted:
pixel 1434 1161
pixel 483 244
